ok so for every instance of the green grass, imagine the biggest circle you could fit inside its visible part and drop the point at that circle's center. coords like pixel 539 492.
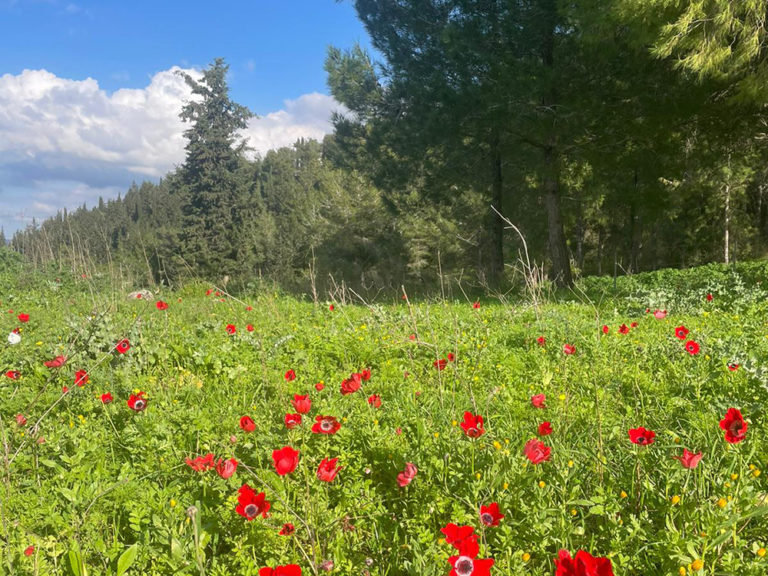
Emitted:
pixel 110 484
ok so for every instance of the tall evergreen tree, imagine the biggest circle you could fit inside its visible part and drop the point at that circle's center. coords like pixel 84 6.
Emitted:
pixel 214 190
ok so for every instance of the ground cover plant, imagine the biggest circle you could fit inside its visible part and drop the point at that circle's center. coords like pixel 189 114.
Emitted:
pixel 197 432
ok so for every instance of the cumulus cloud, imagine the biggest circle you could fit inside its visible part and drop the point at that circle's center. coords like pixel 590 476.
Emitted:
pixel 305 117
pixel 66 142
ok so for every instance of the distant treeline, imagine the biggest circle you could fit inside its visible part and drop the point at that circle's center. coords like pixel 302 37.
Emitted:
pixel 616 136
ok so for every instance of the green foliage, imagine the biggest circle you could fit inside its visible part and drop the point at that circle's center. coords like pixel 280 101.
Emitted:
pixel 720 39
pixel 108 492
pixel 216 194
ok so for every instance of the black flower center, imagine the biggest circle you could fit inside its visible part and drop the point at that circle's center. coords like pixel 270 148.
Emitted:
pixel 139 404
pixel 251 510
pixel 641 439
pixel 487 518
pixel 326 425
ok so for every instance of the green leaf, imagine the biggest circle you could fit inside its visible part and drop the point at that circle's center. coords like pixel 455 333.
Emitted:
pixel 581 503
pixel 127 559
pixel 176 549
pixel 76 563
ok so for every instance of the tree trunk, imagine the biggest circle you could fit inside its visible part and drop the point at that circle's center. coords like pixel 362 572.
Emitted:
pixel 561 265
pixel 496 261
pixel 635 231
pixel 600 251
pixel 727 239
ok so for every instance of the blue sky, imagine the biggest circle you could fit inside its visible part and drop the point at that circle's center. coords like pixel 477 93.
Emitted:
pixel 88 96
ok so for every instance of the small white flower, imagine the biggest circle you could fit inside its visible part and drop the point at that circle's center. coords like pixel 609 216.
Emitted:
pixel 14 338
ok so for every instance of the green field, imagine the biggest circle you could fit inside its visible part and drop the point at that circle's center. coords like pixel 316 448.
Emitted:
pixel 99 488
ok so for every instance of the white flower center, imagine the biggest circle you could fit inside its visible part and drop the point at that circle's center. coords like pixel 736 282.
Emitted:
pixel 464 566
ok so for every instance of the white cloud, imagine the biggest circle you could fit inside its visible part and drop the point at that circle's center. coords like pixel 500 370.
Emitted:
pixel 308 116
pixel 65 142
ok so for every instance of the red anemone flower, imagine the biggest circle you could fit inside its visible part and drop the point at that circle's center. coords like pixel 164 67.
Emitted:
pixel 161 305
pixel 351 384
pixel 623 329
pixel 642 436
pixel 584 564
pixel 568 349
pixel 451 357
pixel 21 420
pixel 331 308
pixel 123 346
pixel 407 475
pixel 660 314
pixel 290 376
pixel 539 400
pixel 231 329
pixel 689 459
pixel 365 374
pixel 250 504
pixel 440 364
pixel 473 425
pixel 249 328
pixel 490 515
pixel 605 329
pixel 81 378
pixel 692 347
pixel 29 550
pixel 287 570
pixel 710 297
pixel 457 535
pixel 732 366
pixel 536 451
pixel 57 362
pixel 247 424
pixel 734 425
pixel 681 332
pixel 633 325
pixel 374 400
pixel 287 529
pixel 285 460
pixel 292 421
pixel 23 318
pixel 468 564
pixel 201 463
pixel 13 374
pixel 545 429
pixel 319 386
pixel 326 425
pixel 226 468
pixel 106 398
pixel 476 305
pixel 302 404
pixel 328 469
pixel 137 402
pixel 541 340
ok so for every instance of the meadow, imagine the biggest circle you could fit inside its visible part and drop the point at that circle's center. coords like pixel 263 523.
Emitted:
pixel 200 432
